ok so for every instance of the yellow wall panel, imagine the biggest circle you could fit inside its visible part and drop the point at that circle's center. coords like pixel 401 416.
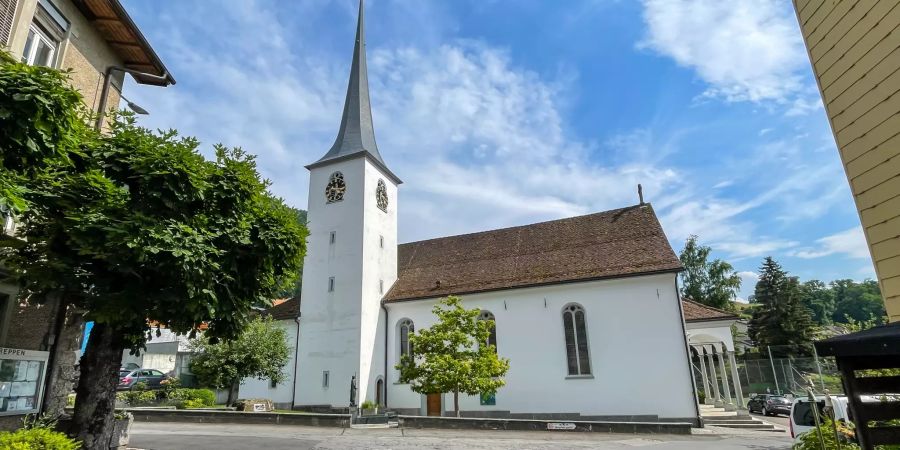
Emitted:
pixel 883 231
pixel 825 8
pixel 885 250
pixel 859 38
pixel 877 195
pixel 842 89
pixel 871 119
pixel 884 131
pixel 892 284
pixel 890 267
pixel 883 211
pixel 874 157
pixel 879 174
pixel 840 11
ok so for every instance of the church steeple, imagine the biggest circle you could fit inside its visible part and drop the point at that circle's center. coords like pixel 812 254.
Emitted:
pixel 356 137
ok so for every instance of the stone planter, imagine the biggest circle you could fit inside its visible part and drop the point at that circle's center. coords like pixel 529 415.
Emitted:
pixel 121 429
pixel 369 411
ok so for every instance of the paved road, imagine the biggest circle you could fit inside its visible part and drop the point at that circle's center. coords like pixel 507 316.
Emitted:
pixel 777 420
pixel 177 436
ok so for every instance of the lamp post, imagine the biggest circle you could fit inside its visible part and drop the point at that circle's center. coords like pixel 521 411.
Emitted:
pixel 104 94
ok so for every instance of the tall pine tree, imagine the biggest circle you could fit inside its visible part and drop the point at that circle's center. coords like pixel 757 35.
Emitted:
pixel 781 320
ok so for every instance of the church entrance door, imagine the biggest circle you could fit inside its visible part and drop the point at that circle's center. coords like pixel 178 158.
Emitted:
pixel 433 404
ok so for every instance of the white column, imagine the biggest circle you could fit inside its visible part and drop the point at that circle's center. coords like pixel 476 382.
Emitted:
pixel 704 374
pixel 715 379
pixel 736 380
pixel 725 388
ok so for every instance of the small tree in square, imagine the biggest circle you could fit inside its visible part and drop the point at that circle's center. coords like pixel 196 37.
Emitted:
pixel 453 355
pixel 260 352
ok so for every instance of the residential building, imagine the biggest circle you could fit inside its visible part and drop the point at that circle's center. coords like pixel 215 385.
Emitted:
pixel 854 48
pixel 38 342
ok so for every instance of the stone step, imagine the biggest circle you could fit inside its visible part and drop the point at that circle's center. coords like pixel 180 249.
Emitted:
pixel 742 426
pixel 734 418
pixel 718 414
pixel 731 422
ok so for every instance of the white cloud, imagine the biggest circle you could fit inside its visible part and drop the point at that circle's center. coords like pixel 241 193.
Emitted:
pixel 850 242
pixel 743 50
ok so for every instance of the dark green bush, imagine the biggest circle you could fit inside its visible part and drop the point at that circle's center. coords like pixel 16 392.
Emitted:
pixel 137 398
pixel 36 439
pixel 199 397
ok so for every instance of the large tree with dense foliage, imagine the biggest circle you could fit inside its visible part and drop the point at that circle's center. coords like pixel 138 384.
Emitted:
pixel 857 301
pixel 780 318
pixel 260 352
pixel 453 355
pixel 134 226
pixel 712 283
pixel 818 298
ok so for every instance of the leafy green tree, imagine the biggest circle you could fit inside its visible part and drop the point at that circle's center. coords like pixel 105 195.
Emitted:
pixel 780 319
pixel 818 298
pixel 453 355
pixel 259 352
pixel 712 283
pixel 133 226
pixel 857 301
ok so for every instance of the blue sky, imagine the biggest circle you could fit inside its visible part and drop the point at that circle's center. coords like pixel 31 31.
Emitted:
pixel 500 113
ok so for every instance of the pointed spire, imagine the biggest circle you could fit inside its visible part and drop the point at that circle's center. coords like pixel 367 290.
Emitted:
pixel 357 133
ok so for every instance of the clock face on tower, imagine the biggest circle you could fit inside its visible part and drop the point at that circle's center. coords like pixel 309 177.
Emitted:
pixel 381 197
pixel 334 192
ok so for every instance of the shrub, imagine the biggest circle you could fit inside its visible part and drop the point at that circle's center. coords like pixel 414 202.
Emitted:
pixel 368 404
pixel 810 440
pixel 37 438
pixel 190 404
pixel 139 386
pixel 136 398
pixel 201 397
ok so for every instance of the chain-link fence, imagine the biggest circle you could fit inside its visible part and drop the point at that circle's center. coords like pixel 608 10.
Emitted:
pixel 787 370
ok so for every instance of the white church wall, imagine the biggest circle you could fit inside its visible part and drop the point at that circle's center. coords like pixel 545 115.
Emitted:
pixel 379 260
pixel 637 350
pixel 330 321
pixel 282 392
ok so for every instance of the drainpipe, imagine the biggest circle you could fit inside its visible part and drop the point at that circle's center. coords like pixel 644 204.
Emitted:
pixel 296 355
pixel 385 354
pixel 687 353
pixel 104 94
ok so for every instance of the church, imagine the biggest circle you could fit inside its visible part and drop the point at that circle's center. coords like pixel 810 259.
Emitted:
pixel 586 308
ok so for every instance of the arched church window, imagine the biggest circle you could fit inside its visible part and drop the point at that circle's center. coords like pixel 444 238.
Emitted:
pixel 334 191
pixel 406 328
pixel 577 353
pixel 381 198
pixel 492 338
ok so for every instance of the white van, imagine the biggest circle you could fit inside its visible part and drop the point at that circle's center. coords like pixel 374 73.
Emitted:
pixel 802 418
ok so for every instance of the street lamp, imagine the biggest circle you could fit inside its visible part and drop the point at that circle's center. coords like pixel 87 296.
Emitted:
pixel 104 95
pixel 134 107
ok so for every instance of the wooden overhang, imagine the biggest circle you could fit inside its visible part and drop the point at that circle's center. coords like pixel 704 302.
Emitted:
pixel 860 356
pixel 123 35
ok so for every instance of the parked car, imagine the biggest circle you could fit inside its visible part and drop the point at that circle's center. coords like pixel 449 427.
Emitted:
pixel 758 403
pixel 802 416
pixel 777 405
pixel 130 366
pixel 151 377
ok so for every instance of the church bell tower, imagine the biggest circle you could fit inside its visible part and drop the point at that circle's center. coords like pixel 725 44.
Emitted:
pixel 351 258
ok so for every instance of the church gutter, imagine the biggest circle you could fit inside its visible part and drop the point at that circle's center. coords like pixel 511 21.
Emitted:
pixel 386 322
pixel 534 285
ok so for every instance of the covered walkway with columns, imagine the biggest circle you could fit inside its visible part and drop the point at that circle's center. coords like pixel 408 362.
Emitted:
pixel 712 355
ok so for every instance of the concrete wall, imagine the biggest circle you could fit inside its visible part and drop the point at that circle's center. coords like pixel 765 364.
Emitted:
pixel 281 393
pixel 339 331
pixel 854 48
pixel 637 348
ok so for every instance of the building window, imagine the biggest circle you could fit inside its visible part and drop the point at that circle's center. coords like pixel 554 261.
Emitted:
pixel 406 328
pixel 577 353
pixel 39 48
pixel 492 338
pixel 332 237
pixel 324 378
pixel 331 284
pixel 381 241
pixel 379 392
pixel 381 286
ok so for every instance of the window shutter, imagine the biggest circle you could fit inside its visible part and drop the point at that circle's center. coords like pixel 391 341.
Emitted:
pixel 7 11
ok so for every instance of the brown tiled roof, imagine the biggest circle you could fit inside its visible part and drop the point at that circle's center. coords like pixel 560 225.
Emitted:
pixel 286 310
pixel 609 244
pixel 698 312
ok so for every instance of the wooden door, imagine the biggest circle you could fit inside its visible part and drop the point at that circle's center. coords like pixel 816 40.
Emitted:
pixel 433 404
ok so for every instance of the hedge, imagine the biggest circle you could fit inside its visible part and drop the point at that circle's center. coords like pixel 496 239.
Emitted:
pixel 36 438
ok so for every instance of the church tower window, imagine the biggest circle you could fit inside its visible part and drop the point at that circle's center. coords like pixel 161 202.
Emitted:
pixel 492 338
pixel 406 328
pixel 577 353
pixel 334 191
